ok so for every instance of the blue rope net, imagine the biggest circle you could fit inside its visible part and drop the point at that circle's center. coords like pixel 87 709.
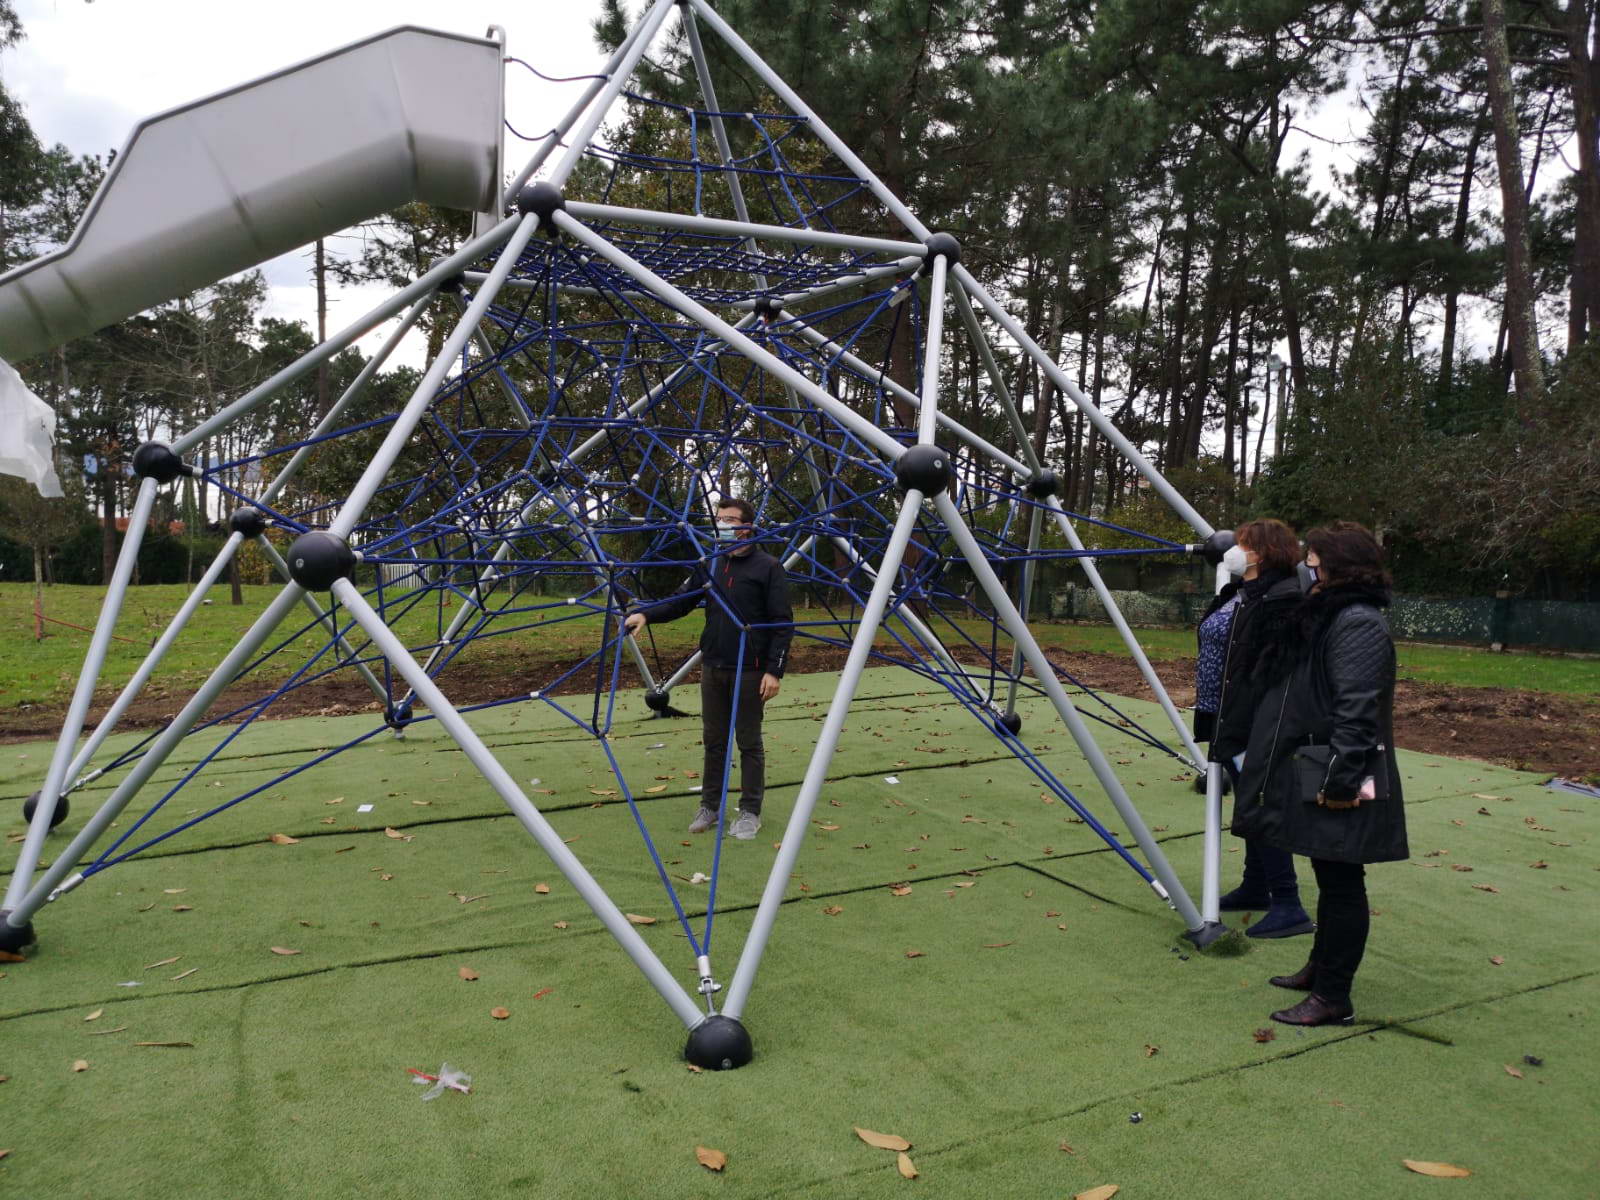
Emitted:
pixel 568 469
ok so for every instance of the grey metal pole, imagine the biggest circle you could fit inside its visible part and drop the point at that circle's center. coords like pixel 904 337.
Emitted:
pixel 1151 679
pixel 648 28
pixel 1168 885
pixel 423 285
pixel 1211 867
pixel 744 228
pixel 325 619
pixel 1095 417
pixel 932 351
pixel 155 756
pixel 521 807
pixel 553 138
pixel 817 769
pixel 148 666
pixel 78 709
pixel 799 107
pixel 1024 601
pixel 426 391
pixel 865 430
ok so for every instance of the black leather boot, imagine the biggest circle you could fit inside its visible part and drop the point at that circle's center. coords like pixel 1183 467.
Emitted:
pixel 1302 980
pixel 1314 1010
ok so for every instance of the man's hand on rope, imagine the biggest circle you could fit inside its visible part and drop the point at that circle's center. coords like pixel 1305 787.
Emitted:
pixel 769 686
pixel 635 622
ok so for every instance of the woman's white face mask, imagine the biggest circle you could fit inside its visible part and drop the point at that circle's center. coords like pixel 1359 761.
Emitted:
pixel 1236 561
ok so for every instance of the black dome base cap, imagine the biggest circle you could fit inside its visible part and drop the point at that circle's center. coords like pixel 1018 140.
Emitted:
pixel 13 939
pixel 657 699
pixel 1011 722
pixel 1043 484
pixel 397 716
pixel 251 522
pixel 317 558
pixel 156 460
pixel 1216 545
pixel 543 199
pixel 719 1043
pixel 32 803
pixel 926 468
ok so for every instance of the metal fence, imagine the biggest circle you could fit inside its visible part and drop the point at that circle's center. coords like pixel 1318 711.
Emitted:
pixel 1482 620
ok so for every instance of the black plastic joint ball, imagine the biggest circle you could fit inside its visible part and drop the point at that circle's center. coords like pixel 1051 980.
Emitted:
pixel 767 308
pixel 926 468
pixel 544 199
pixel 942 244
pixel 317 558
pixel 719 1043
pixel 156 460
pixel 31 805
pixel 1216 545
pixel 251 522
pixel 656 699
pixel 1011 722
pixel 1043 485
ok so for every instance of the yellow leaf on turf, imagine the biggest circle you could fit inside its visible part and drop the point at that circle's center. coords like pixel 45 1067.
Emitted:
pixel 499 1014
pixel 906 1168
pixel 467 973
pixel 95 1015
pixel 1438 1170
pixel 542 888
pixel 81 1065
pixel 651 791
pixel 713 1160
pixel 283 839
pixel 284 950
pixel 883 1141
pixel 636 919
pixel 1104 1192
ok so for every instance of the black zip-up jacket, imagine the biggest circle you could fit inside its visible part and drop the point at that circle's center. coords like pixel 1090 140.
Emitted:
pixel 1265 608
pixel 756 587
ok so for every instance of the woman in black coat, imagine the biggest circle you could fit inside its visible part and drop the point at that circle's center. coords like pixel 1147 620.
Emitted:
pixel 1267 599
pixel 1319 775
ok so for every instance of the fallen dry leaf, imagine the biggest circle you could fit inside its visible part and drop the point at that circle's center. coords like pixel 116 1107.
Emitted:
pixel 833 910
pixel 651 791
pixel 883 1141
pixel 1487 887
pixel 95 1015
pixel 1438 1170
pixel 905 1166
pixel 284 950
pixel 903 889
pixel 996 945
pixel 1498 960
pixel 9 956
pixel 467 973
pixel 909 954
pixel 499 1014
pixel 183 908
pixel 636 919
pixel 542 888
pixel 694 1070
pixel 173 891
pixel 1513 1072
pixel 168 1045
pixel 559 925
pixel 712 1160
pixel 1151 1051
pixel 81 1065
pixel 1264 1035
pixel 391 832
pixel 283 839
pixel 1540 865
pixel 1104 1192
pixel 1066 1148
pixel 542 993
pixel 165 962
pixel 184 974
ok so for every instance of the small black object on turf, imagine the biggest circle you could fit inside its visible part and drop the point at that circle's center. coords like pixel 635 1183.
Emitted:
pixel 1216 545
pixel 13 939
pixel 543 199
pixel 155 460
pixel 926 468
pixel 945 244
pixel 251 522
pixel 1011 722
pixel 719 1043
pixel 32 803
pixel 317 558
pixel 657 699
pixel 1043 485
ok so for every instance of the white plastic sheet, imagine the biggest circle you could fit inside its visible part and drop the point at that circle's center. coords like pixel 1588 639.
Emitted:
pixel 27 434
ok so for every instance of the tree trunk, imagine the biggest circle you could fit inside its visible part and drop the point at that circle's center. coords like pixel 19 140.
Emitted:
pixel 1583 45
pixel 234 581
pixel 1521 320
pixel 1458 239
pixel 108 529
pixel 38 594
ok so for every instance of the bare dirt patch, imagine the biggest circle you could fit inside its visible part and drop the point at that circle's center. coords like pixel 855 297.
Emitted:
pixel 1531 731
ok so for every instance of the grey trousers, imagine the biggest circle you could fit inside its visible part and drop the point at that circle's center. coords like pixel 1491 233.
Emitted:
pixel 716 709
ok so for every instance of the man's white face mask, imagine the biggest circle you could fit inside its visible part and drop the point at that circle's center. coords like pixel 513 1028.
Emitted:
pixel 727 531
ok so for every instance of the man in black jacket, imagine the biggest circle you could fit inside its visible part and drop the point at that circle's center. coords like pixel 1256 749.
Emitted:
pixel 749 623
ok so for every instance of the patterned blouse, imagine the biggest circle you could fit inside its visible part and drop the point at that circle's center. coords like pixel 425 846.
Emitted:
pixel 1213 647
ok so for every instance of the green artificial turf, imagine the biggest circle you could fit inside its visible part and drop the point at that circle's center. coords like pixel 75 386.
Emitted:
pixel 1027 991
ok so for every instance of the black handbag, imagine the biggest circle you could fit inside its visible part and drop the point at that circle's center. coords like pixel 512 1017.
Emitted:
pixel 1311 765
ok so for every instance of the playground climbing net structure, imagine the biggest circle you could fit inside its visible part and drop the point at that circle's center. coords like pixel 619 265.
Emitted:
pixel 647 331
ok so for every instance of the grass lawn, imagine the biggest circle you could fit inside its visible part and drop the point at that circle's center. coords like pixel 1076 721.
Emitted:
pixel 45 672
pixel 1009 1006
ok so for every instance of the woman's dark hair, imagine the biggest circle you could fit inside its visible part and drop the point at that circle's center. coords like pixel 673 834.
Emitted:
pixel 1274 543
pixel 1348 554
pixel 747 514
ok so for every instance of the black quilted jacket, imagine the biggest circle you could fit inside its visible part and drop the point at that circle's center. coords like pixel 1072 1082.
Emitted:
pixel 1327 721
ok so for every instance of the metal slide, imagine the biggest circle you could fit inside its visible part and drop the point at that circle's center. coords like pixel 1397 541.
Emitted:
pixel 218 185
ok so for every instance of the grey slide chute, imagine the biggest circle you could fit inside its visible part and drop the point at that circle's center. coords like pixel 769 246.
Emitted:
pixel 213 187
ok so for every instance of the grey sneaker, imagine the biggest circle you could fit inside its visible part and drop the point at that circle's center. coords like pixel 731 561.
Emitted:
pixel 703 820
pixel 747 826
